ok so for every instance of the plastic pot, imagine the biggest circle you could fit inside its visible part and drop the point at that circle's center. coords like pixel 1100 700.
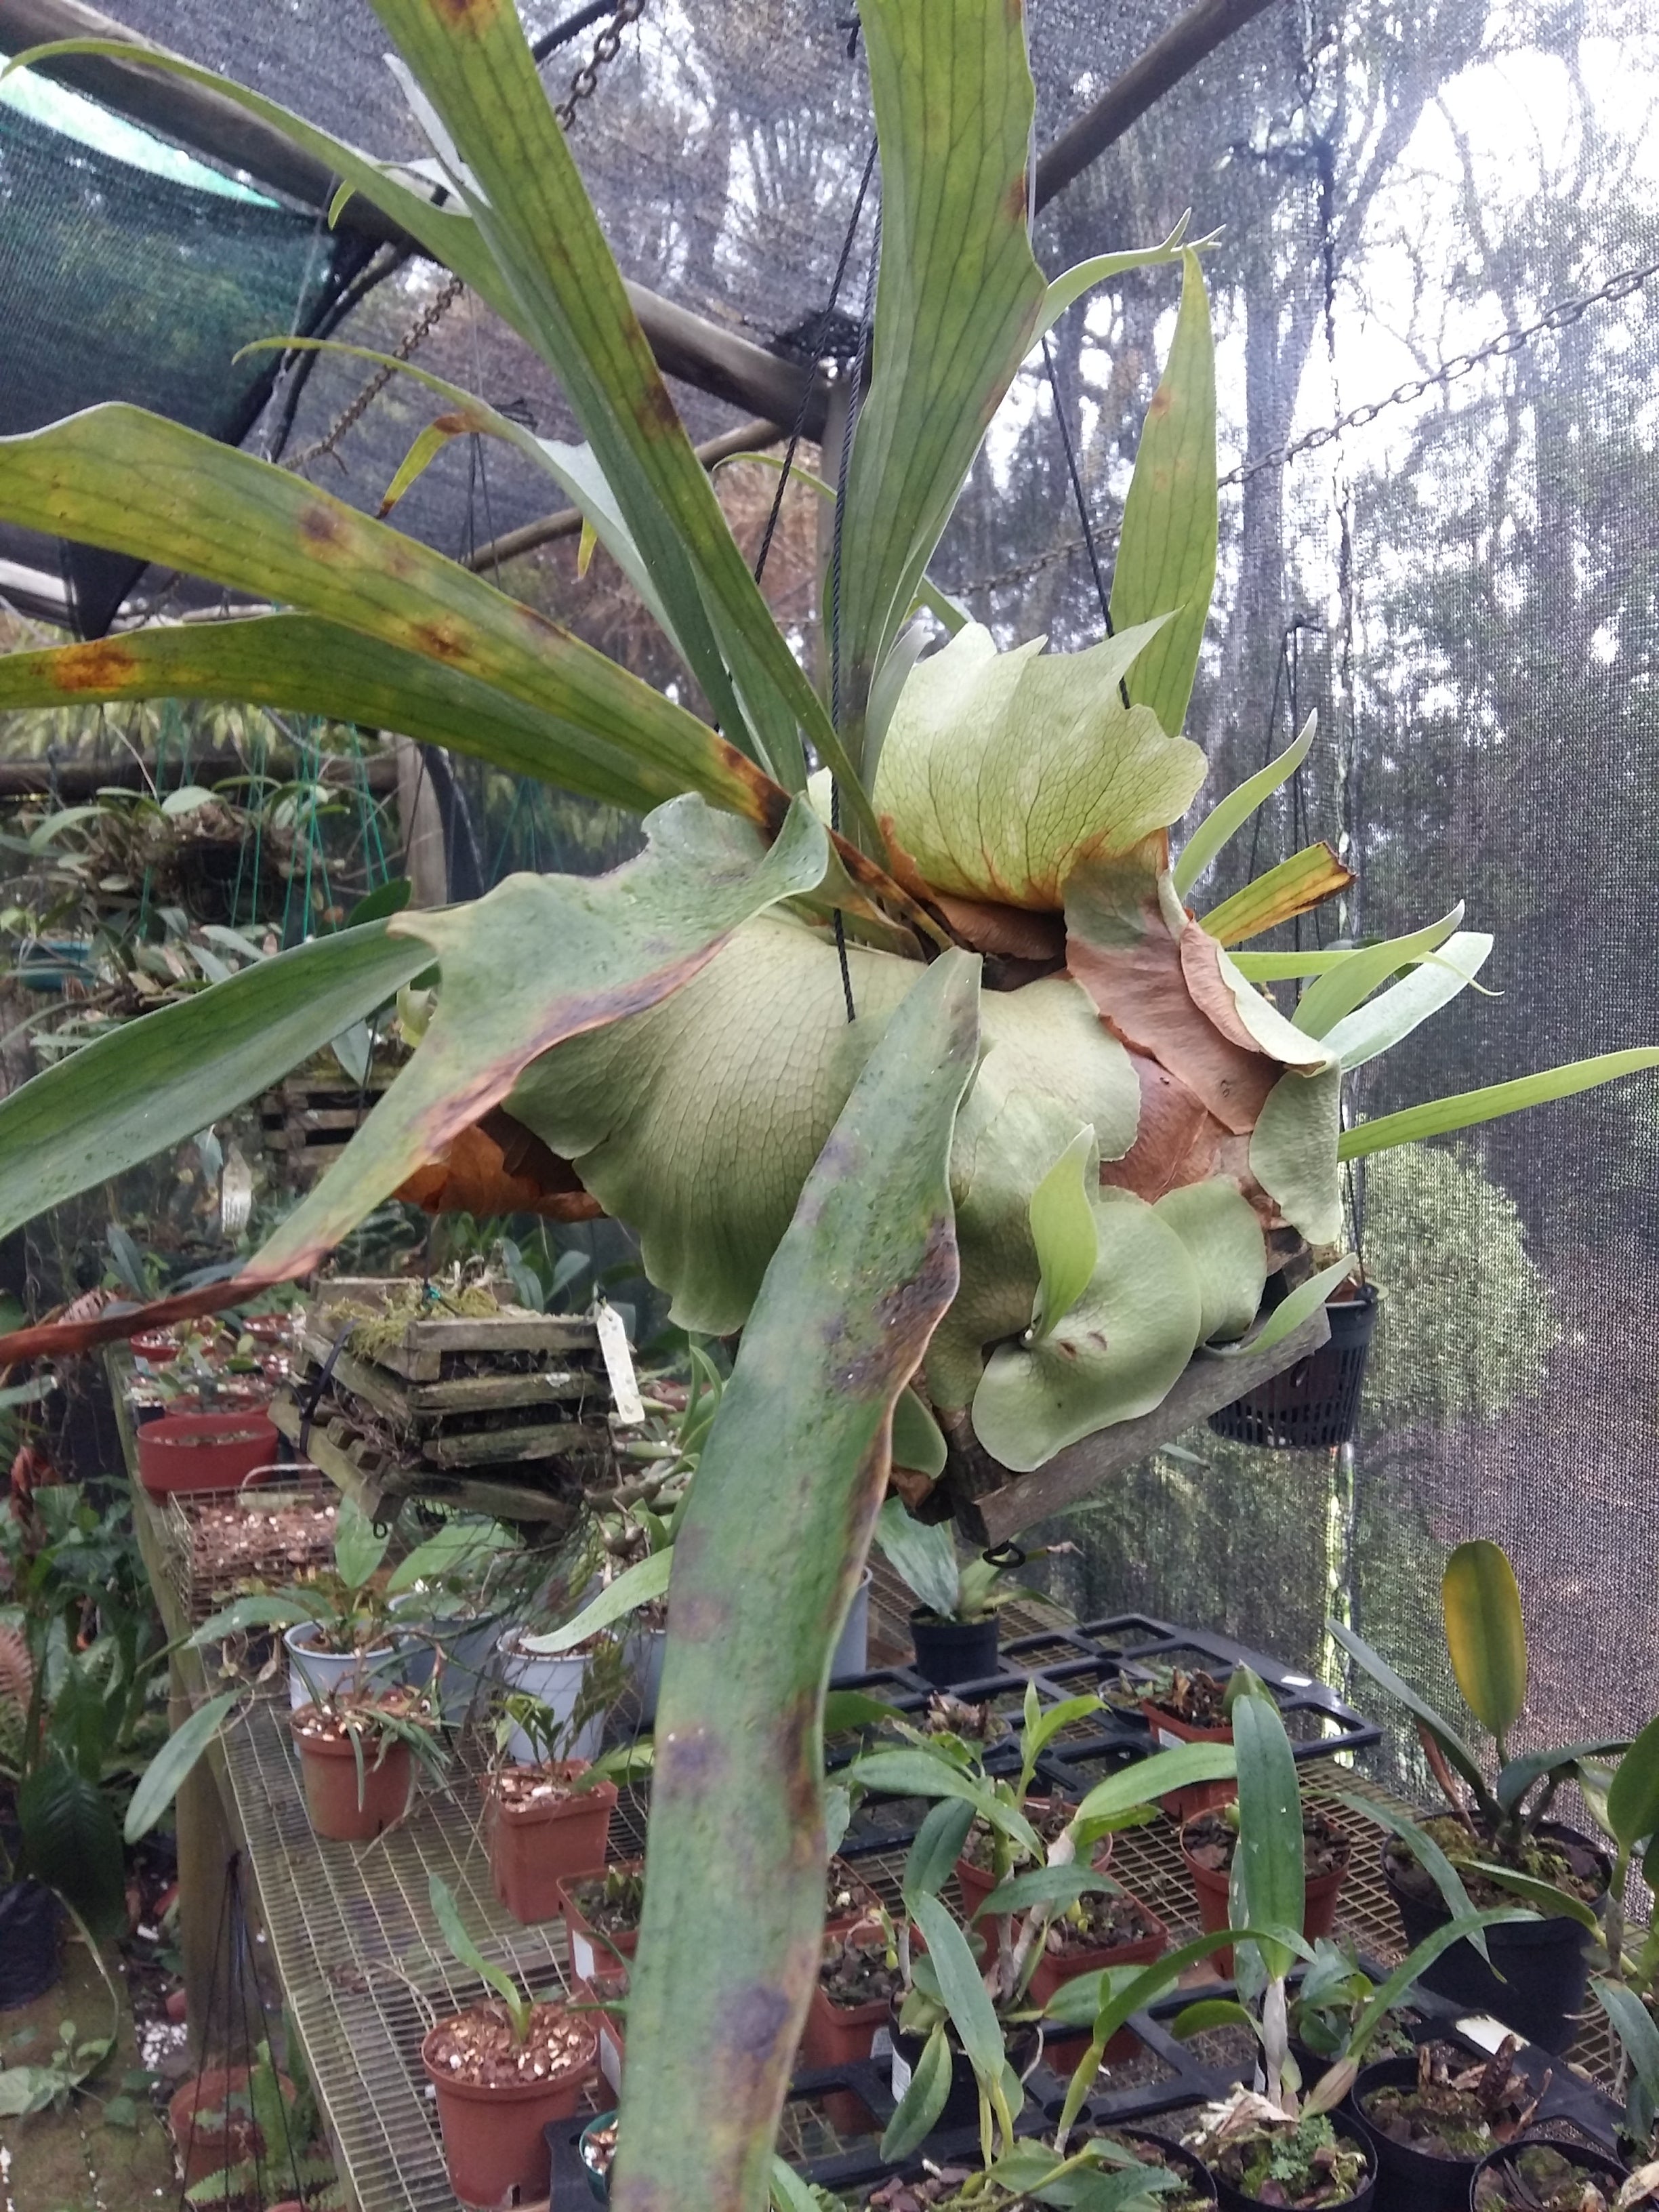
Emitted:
pixel 533 1848
pixel 494 2146
pixel 1491 2196
pixel 1053 1971
pixel 207 2146
pixel 205 1451
pixel 1409 2176
pixel 1544 1963
pixel 1313 1404
pixel 557 1682
pixel 1169 1732
pixel 340 1812
pixel 598 2183
pixel 157 1346
pixel 976 1884
pixel 839 2035
pixel 29 1963
pixel 1353 2131
pixel 468 1647
pixel 951 1651
pixel 852 1653
pixel 1319 1909
pixel 609 1988
pixel 590 1953
pixel 1196 2175
pixel 314 1676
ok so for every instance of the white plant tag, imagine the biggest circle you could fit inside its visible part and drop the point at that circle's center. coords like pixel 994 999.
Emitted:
pixel 881 2044
pixel 581 1954
pixel 900 2078
pixel 618 1364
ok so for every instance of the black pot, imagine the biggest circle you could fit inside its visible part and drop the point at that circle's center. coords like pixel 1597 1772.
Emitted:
pixel 1544 1963
pixel 1596 2163
pixel 951 1651
pixel 1412 2180
pixel 1315 1404
pixel 28 1942
pixel 1199 2181
pixel 1234 2200
pixel 962 2099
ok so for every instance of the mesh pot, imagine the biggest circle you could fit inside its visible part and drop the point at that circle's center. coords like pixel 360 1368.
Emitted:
pixel 1315 1404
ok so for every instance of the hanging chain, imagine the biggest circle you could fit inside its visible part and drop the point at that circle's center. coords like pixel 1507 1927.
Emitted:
pixel 1560 317
pixel 606 47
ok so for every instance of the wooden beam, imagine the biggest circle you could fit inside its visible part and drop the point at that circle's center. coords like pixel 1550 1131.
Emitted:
pixel 1208 1384
pixel 698 352
pixel 1188 40
pixel 747 438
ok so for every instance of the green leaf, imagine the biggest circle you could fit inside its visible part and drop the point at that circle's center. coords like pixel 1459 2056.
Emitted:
pixel 923 1554
pixel 1166 548
pixel 1428 1855
pixel 1045 1885
pixel 385 899
pixel 845 1710
pixel 1114 1356
pixel 316 667
pixel 1218 1226
pixel 468 1955
pixel 358 1549
pixel 1209 2012
pixel 1633 1795
pixel 918 1440
pixel 1414 1965
pixel 958 296
pixel 635 1586
pixel 259 1609
pixel 1437 1117
pixel 539 959
pixel 928 1774
pixel 1038 1733
pixel 1150 1779
pixel 919 2108
pixel 1001 771
pixel 1306 880
pixel 152 1082
pixel 1269 1868
pixel 1288 1316
pixel 965 1996
pixel 1634 2026
pixel 1294 1152
pixel 158 1785
pixel 119 477
pixel 940 1842
pixel 1229 815
pixel 72 1842
pixel 1558 1903
pixel 1378 1027
pixel 1063 1231
pixel 1485 1637
pixel 790 1480
pixel 463 1544
pixel 1380 1673
pixel 1330 996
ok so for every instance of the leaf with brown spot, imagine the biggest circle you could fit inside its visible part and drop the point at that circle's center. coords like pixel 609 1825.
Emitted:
pixel 1296 886
pixel 790 1480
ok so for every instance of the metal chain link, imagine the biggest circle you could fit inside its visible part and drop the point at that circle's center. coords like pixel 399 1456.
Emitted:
pixel 606 47
pixel 1560 317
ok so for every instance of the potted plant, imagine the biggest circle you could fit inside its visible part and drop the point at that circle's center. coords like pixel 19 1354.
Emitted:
pixel 1190 1706
pixel 954 1623
pixel 602 1915
pixel 205 1451
pixel 1498 1837
pixel 1546 2176
pixel 1436 2113
pixel 547 1820
pixel 241 2132
pixel 860 1980
pixel 1209 1841
pixel 503 2070
pixel 448 1600
pixel 357 1749
pixel 1326 2005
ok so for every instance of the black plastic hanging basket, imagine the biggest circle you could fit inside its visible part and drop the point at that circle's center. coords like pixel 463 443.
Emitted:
pixel 1314 1405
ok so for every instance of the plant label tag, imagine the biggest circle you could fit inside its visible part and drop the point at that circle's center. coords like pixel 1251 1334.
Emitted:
pixel 881 2044
pixel 618 1364
pixel 581 1954
pixel 1166 1741
pixel 900 2078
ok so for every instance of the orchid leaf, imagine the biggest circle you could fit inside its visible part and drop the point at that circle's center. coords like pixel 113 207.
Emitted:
pixel 1378 1027
pixel 159 1784
pixel 1543 1896
pixel 117 477
pixel 1485 1636
pixel 923 1774
pixel 1384 1675
pixel 1001 771
pixel 635 1586
pixel 1296 886
pixel 1438 1117
pixel 918 2111
pixel 1294 1308
pixel 789 1480
pixel 1268 1870
pixel 1150 1779
pixel 1045 1885
pixel 1633 1795
pixel 1166 551
pixel 154 1083
pixel 1063 1231
pixel 965 1996
pixel 1114 1356
pixel 939 1845
pixel 542 958
pixel 1229 815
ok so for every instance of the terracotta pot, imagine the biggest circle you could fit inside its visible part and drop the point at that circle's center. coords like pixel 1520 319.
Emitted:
pixel 492 2142
pixel 592 1952
pixel 157 1346
pixel 1319 1909
pixel 608 1988
pixel 339 1813
pixel 1053 1971
pixel 209 2149
pixel 976 1884
pixel 1170 1731
pixel 533 1848
pixel 205 1451
pixel 839 2034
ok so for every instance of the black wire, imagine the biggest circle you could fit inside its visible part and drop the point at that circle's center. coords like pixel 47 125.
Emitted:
pixel 808 388
pixel 1075 474
pixel 562 33
pixel 350 296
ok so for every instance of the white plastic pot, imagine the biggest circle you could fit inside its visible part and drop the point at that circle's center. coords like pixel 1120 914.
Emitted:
pixel 318 1674
pixel 557 1682
pixel 468 1648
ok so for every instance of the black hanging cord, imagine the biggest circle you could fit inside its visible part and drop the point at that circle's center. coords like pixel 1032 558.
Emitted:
pixel 1076 475
pixel 562 33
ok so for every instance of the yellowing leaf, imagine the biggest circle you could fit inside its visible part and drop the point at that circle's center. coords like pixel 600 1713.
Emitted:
pixel 1002 770
pixel 1306 880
